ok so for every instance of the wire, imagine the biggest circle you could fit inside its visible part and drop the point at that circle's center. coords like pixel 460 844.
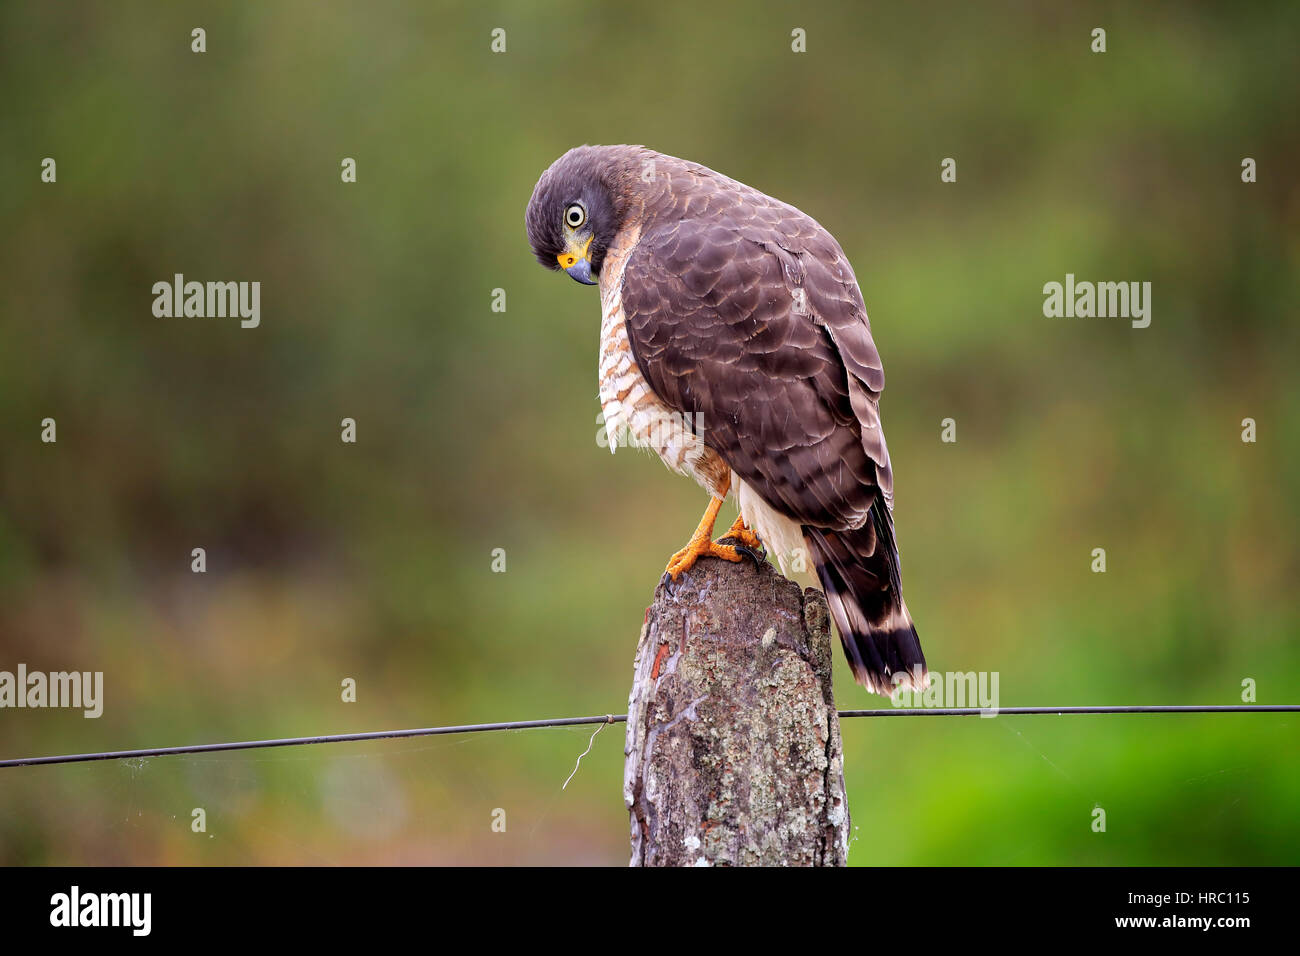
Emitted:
pixel 622 718
pixel 324 739
pixel 1067 711
pixel 590 743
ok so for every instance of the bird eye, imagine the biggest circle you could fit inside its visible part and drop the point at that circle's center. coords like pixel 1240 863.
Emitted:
pixel 575 216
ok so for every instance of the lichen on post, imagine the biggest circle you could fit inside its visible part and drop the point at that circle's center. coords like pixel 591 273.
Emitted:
pixel 733 750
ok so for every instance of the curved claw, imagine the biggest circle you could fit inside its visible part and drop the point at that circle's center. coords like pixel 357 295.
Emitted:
pixel 755 554
pixel 747 542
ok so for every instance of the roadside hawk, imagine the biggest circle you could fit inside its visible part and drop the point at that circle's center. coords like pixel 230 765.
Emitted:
pixel 735 343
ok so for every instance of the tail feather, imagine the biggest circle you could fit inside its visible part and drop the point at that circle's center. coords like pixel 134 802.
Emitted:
pixel 859 571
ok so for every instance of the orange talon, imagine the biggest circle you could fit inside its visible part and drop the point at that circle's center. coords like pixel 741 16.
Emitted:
pixel 701 545
pixel 739 532
pixel 685 559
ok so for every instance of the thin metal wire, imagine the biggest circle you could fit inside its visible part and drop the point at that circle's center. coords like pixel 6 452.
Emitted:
pixel 622 718
pixel 590 743
pixel 323 739
pixel 1064 711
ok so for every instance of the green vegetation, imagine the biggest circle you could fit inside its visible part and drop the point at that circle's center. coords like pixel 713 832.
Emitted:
pixel 476 429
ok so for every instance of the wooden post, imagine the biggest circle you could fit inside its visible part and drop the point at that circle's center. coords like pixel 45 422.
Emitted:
pixel 733 751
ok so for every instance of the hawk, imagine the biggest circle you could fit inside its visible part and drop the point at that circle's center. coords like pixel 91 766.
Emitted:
pixel 735 343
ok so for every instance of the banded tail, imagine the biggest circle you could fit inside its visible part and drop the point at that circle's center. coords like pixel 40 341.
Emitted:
pixel 858 570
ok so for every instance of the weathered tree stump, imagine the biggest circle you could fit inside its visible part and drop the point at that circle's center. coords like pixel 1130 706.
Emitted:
pixel 733 751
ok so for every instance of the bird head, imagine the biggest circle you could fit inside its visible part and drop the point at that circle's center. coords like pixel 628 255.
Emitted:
pixel 572 217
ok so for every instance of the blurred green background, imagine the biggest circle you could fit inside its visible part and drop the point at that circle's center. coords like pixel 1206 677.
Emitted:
pixel 477 429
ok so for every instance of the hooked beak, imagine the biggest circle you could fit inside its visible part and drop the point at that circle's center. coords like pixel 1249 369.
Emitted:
pixel 581 271
pixel 574 261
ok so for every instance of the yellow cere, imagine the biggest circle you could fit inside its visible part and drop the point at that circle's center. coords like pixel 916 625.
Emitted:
pixel 568 259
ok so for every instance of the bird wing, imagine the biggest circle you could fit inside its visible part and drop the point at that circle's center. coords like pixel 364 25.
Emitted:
pixel 751 320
